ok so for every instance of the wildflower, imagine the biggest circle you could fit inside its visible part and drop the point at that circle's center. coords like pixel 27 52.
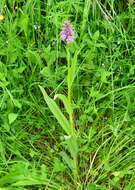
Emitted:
pixel 67 33
pixel 1 17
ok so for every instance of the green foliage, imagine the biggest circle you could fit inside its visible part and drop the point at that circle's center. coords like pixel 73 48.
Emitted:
pixel 57 112
pixel 35 153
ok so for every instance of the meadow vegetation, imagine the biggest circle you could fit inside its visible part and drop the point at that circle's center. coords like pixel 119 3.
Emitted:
pixel 67 112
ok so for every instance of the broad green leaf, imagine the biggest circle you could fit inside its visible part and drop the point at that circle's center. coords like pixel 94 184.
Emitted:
pixel 56 112
pixel 12 117
pixel 65 101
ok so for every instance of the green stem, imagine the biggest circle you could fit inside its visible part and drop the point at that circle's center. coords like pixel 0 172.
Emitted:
pixel 71 115
pixel 70 93
pixel 71 118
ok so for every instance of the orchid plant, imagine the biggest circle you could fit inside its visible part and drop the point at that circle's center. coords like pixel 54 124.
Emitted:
pixel 68 125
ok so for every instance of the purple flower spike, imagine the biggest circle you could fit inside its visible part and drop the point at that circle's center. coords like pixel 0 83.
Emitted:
pixel 67 33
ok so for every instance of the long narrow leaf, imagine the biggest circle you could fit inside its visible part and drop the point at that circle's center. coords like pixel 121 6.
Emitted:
pixel 56 112
pixel 66 103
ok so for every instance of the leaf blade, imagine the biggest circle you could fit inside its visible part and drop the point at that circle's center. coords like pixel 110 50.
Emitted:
pixel 56 112
pixel 65 101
